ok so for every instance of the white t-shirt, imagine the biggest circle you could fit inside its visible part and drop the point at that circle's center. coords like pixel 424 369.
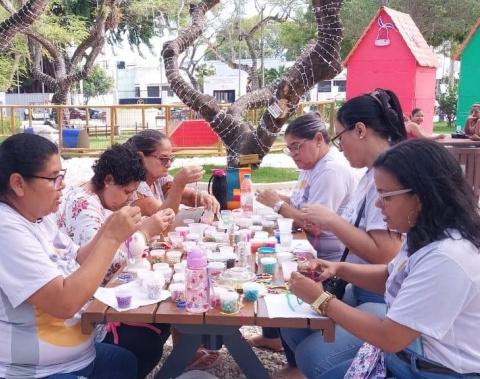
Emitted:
pixel 33 343
pixel 436 292
pixel 330 183
pixel 372 218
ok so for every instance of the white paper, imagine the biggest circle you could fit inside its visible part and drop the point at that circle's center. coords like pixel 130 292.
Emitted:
pixel 277 306
pixel 139 296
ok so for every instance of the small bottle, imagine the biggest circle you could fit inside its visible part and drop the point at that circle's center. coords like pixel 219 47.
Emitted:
pixel 231 232
pixel 196 281
pixel 246 196
pixel 459 128
pixel 244 252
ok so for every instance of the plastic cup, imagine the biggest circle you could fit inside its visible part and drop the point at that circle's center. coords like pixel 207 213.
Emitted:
pixel 182 230
pixel 197 228
pixel 268 265
pixel 284 257
pixel 166 272
pixel 285 225
pixel 268 226
pixel 247 232
pixel 188 221
pixel 178 277
pixel 177 291
pixel 287 268
pixel 250 291
pixel 229 301
pixel 220 237
pixel 261 235
pixel 160 265
pixel 215 268
pixel 157 255
pixel 154 286
pixel 286 239
pixel 226 249
pixel 175 240
pixel 237 213
pixel 193 237
pixel 124 297
pixel 225 214
pixel 142 275
pixel 244 222
pixel 173 256
pixel 179 268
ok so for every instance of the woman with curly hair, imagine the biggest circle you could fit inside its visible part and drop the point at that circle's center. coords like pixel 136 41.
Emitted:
pixel 432 287
pixel 84 209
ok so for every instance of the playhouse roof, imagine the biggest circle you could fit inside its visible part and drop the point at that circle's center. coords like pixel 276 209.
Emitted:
pixel 410 34
pixel 467 40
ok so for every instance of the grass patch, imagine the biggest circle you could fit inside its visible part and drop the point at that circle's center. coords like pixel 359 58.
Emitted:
pixel 262 175
pixel 441 127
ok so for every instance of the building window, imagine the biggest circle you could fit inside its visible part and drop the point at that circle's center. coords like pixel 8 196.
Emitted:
pixel 341 84
pixel 168 90
pixel 153 91
pixel 137 91
pixel 224 97
pixel 325 86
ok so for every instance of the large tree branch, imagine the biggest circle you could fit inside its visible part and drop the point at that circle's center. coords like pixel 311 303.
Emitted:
pixel 20 20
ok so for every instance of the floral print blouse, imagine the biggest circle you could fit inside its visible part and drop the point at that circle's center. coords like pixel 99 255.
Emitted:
pixel 80 216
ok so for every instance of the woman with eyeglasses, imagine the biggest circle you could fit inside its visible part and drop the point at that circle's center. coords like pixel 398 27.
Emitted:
pixel 116 175
pixel 432 287
pixel 46 280
pixel 161 190
pixel 366 126
pixel 325 178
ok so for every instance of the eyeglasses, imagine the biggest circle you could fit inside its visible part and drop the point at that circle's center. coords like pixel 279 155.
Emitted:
pixel 385 196
pixel 164 160
pixel 339 138
pixel 57 180
pixel 294 148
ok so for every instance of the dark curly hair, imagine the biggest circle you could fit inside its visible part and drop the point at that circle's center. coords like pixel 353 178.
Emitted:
pixel 437 179
pixel 122 162
pixel 379 110
pixel 24 154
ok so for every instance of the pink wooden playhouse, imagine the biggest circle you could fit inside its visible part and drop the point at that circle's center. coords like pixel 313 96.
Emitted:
pixel 392 54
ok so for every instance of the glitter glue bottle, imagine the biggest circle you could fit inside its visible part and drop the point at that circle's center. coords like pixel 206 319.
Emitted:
pixel 196 281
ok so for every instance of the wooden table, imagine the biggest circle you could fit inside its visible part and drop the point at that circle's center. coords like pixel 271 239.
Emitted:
pixel 457 142
pixel 212 329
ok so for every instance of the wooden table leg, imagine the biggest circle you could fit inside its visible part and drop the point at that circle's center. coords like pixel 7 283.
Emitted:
pixel 190 340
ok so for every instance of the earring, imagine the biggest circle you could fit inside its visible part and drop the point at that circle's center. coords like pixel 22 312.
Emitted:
pixel 408 219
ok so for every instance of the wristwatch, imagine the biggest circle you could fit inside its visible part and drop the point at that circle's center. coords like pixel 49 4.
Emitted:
pixel 320 305
pixel 278 205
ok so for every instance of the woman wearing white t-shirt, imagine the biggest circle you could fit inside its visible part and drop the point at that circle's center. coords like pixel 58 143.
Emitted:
pixel 366 126
pixel 46 280
pixel 432 288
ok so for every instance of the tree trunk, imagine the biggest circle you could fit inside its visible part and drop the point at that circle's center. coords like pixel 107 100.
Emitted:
pixel 320 61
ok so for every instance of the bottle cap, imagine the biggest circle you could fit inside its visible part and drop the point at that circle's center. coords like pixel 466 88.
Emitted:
pixel 246 176
pixel 196 258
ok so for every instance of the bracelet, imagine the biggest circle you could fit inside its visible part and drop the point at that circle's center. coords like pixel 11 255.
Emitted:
pixel 324 306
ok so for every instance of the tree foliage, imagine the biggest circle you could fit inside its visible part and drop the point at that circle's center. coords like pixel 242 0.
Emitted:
pixel 98 83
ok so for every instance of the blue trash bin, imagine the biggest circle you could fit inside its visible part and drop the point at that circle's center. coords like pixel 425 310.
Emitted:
pixel 70 137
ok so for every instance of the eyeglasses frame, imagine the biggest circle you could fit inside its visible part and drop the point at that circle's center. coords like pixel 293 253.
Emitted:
pixel 56 186
pixel 163 159
pixel 383 195
pixel 287 151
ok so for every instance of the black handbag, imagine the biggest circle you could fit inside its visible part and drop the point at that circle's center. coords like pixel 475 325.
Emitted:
pixel 335 285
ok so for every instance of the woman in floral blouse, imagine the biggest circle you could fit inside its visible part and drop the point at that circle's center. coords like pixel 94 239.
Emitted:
pixel 117 174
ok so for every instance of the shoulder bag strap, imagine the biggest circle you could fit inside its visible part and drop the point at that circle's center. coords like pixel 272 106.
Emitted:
pixel 357 221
